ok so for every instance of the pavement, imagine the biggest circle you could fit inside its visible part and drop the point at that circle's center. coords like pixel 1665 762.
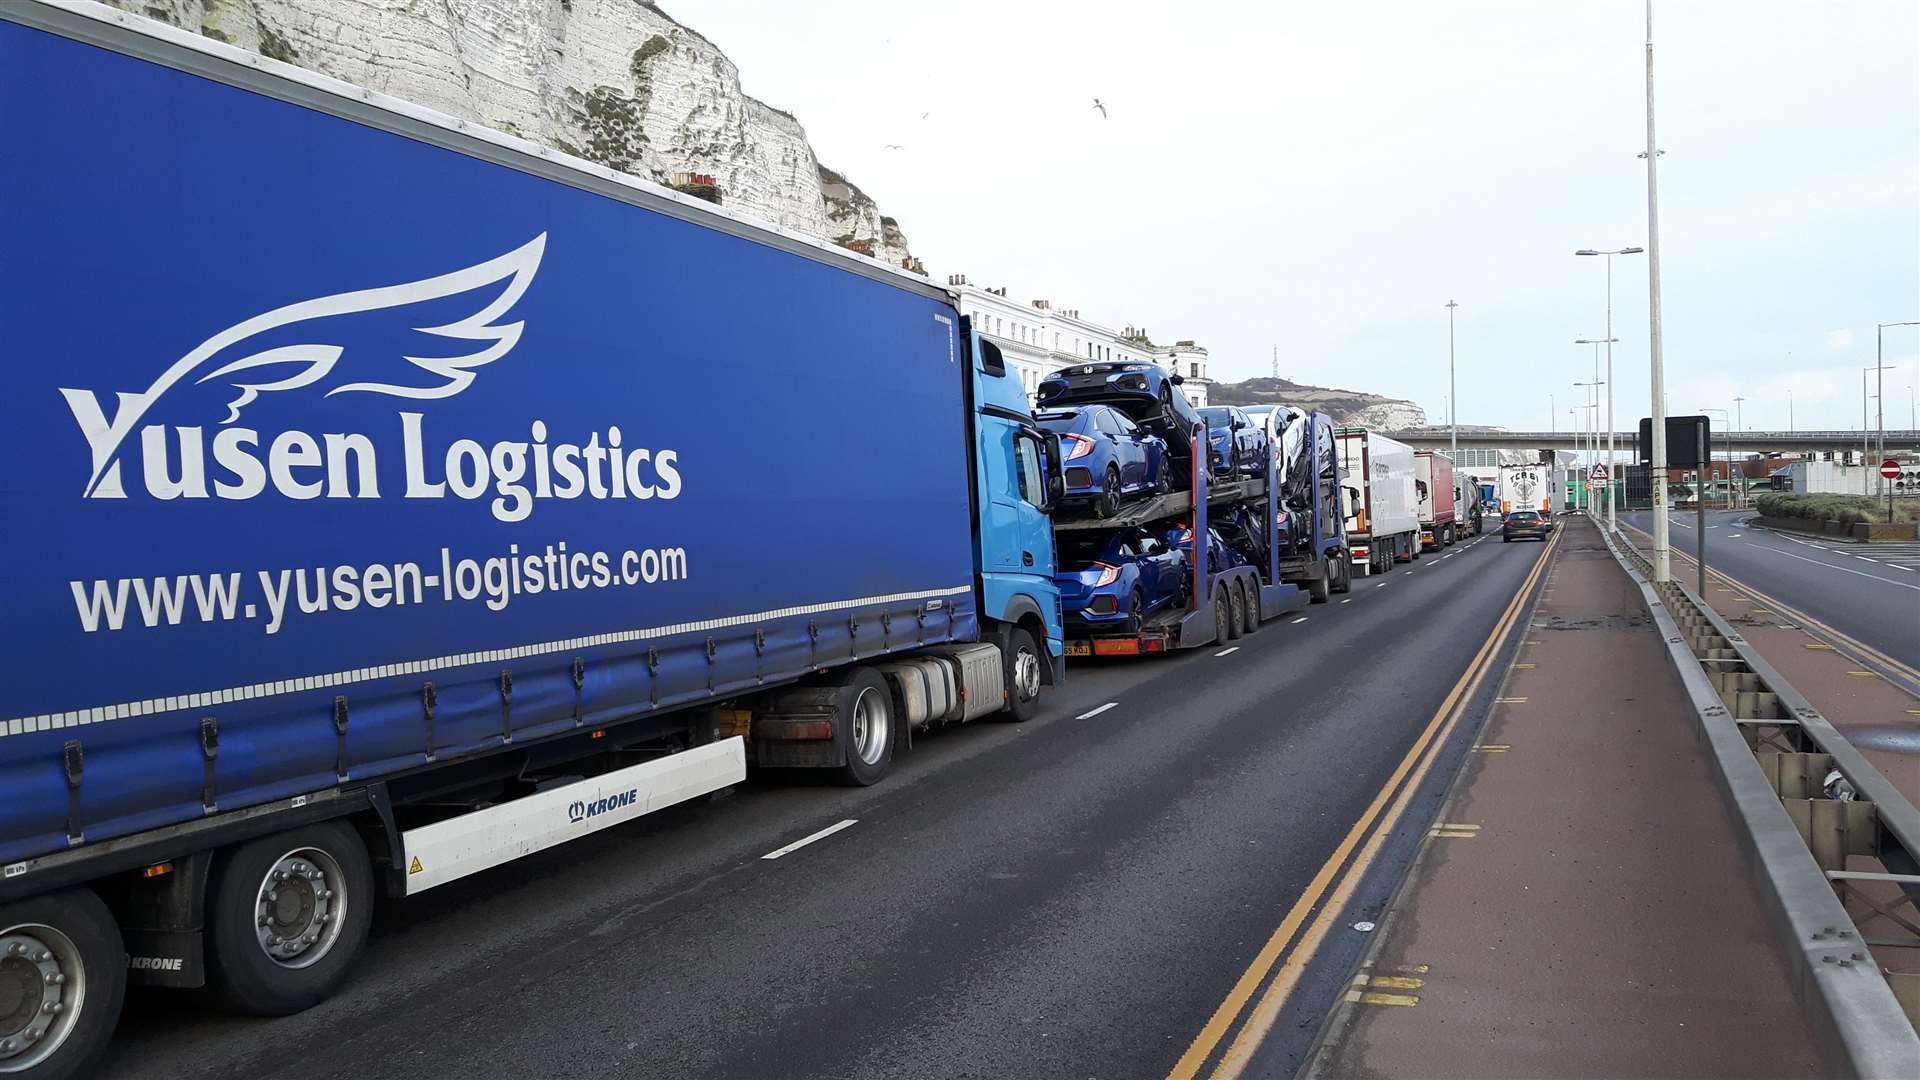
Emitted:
pixel 1872 698
pixel 1581 908
pixel 1079 895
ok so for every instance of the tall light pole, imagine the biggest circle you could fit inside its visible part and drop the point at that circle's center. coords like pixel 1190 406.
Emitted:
pixel 1726 418
pixel 1608 381
pixel 1881 409
pixel 1612 524
pixel 1593 431
pixel 1453 403
pixel 1738 425
pixel 1573 425
pixel 1866 433
pixel 1662 565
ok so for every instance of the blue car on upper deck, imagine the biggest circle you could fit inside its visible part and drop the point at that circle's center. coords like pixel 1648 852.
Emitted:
pixel 1107 456
pixel 1146 392
pixel 1235 442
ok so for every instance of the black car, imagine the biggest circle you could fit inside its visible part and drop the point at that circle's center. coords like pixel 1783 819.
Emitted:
pixel 1144 391
pixel 1522 524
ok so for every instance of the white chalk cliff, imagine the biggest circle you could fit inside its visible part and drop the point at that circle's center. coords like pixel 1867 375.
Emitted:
pixel 617 82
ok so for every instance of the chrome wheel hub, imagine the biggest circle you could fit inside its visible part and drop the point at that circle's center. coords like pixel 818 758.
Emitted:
pixel 1026 674
pixel 870 730
pixel 299 907
pixel 42 984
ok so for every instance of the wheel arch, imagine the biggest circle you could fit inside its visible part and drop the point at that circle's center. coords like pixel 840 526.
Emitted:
pixel 1023 612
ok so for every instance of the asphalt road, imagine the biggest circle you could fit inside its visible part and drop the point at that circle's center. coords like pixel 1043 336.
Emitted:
pixel 1065 897
pixel 1868 591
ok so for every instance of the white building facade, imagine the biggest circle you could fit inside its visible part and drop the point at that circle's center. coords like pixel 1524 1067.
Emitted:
pixel 1039 339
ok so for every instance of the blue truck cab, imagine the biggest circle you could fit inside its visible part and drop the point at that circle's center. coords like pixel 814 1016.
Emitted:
pixel 1018 483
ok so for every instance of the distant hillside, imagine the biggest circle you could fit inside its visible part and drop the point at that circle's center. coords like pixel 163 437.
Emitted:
pixel 1345 406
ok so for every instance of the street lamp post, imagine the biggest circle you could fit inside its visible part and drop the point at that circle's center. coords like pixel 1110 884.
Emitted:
pixel 1453 402
pixel 1725 417
pixel 1738 425
pixel 1867 461
pixel 1881 409
pixel 1662 565
pixel 1573 425
pixel 1612 524
pixel 1593 428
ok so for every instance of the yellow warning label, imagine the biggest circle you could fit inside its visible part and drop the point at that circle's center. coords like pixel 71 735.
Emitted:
pixel 414 867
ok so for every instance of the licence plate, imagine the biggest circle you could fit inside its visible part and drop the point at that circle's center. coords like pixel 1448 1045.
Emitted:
pixel 1079 648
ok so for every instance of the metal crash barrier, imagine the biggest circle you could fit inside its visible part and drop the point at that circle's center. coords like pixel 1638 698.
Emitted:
pixel 1805 800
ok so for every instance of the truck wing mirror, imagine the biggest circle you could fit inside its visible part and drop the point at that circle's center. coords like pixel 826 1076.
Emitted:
pixel 1056 472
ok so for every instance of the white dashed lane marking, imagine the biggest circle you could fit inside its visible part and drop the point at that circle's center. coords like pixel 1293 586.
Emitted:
pixel 1090 714
pixel 805 840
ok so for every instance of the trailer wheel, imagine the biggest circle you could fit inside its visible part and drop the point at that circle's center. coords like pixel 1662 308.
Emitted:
pixel 288 915
pixel 1343 574
pixel 863 726
pixel 1021 665
pixel 1221 632
pixel 63 977
pixel 1319 588
pixel 1252 604
pixel 1236 610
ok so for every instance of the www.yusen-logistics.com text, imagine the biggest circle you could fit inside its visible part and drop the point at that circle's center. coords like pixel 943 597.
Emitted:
pixel 269 597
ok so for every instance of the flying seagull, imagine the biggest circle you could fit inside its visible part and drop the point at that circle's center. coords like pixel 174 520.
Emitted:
pixel 1102 106
pixel 893 146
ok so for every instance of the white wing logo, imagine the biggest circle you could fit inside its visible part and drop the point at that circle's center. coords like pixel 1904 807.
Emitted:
pixel 292 367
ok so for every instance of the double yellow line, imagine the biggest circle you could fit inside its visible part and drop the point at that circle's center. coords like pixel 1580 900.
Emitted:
pixel 1804 620
pixel 1368 835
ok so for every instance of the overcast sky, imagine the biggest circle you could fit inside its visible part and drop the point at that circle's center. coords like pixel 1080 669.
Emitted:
pixel 1324 176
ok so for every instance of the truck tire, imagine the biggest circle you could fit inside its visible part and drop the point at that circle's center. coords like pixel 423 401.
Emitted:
pixel 863 726
pixel 1221 630
pixel 1252 605
pixel 61 950
pixel 1021 666
pixel 1319 588
pixel 1343 576
pixel 287 915
pixel 1236 610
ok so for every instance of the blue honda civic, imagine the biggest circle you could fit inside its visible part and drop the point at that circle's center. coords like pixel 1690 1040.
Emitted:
pixel 1112 581
pixel 1109 458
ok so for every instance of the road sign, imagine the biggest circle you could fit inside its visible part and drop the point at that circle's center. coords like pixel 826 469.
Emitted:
pixel 1598 474
pixel 1890 469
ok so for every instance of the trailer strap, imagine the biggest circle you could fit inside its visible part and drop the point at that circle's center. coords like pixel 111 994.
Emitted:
pixel 74 761
pixel 209 750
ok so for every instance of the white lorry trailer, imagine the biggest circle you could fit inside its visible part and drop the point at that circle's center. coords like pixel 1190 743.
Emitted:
pixel 1526 487
pixel 1381 503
